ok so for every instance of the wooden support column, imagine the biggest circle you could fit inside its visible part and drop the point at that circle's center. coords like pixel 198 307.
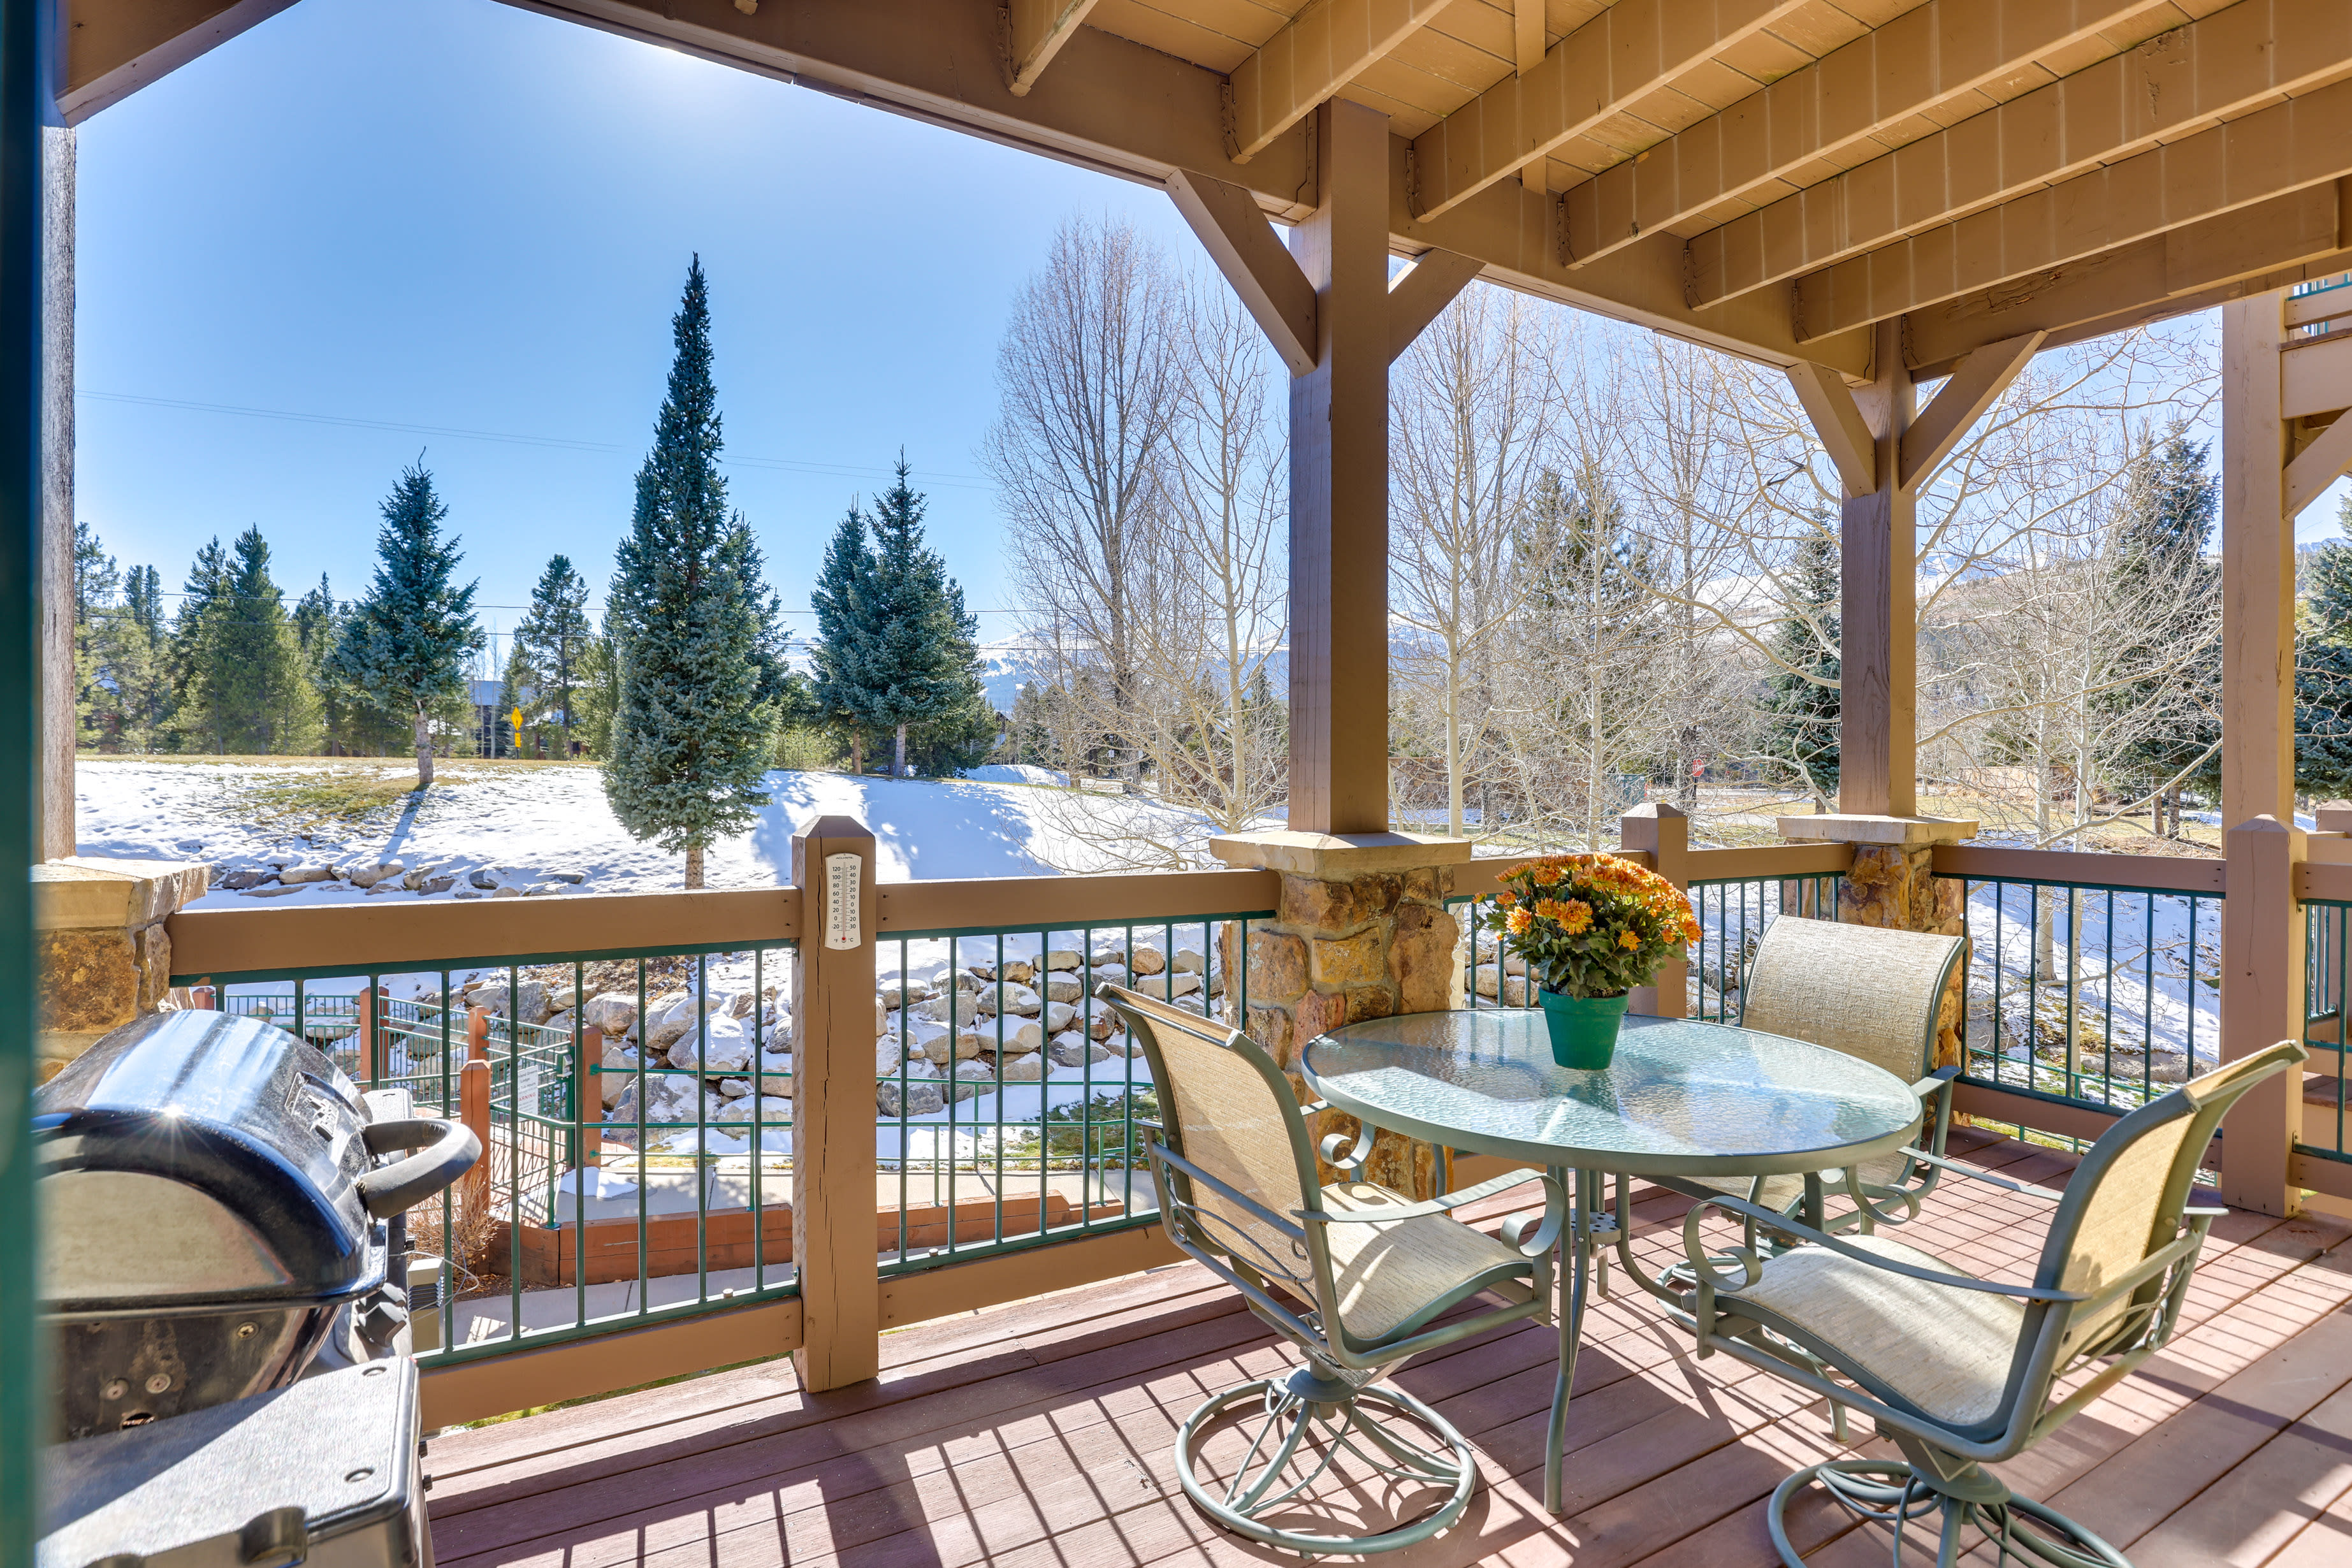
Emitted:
pixel 2261 1003
pixel 1665 831
pixel 1878 606
pixel 59 718
pixel 1339 489
pixel 1885 451
pixel 832 1106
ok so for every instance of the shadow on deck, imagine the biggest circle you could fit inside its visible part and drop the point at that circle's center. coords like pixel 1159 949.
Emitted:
pixel 1040 1432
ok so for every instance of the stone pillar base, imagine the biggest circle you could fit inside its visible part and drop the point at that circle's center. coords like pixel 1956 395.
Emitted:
pixel 1362 930
pixel 1893 885
pixel 105 958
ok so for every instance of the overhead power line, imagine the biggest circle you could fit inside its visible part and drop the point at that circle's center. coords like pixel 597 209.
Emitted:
pixel 557 443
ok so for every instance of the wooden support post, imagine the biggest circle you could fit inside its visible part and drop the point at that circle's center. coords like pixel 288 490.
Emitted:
pixel 1879 607
pixel 2261 936
pixel 2257 569
pixel 474 1111
pixel 2261 1003
pixel 1340 488
pixel 478 1034
pixel 590 1106
pixel 1665 831
pixel 832 1106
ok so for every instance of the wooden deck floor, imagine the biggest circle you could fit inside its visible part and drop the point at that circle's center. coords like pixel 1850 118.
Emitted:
pixel 1039 1433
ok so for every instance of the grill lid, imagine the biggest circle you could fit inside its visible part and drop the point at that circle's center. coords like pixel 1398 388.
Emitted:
pixel 194 1157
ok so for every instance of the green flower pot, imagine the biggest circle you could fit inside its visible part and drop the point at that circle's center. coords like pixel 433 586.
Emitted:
pixel 1583 1029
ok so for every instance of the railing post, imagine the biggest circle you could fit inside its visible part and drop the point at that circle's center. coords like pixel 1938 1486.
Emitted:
pixel 2261 1003
pixel 832 1106
pixel 588 1101
pixel 1662 830
pixel 474 1111
pixel 478 1034
pixel 370 1052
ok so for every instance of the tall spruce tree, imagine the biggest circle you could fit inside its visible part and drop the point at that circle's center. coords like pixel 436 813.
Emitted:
pixel 845 586
pixel 554 636
pixel 98 712
pixel 2171 501
pixel 201 599
pixel 690 617
pixel 1800 695
pixel 412 634
pixel 254 681
pixel 2323 672
pixel 923 665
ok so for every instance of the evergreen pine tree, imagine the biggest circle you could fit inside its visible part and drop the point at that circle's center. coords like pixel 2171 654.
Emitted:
pixel 922 665
pixel 598 694
pixel 2322 673
pixel 412 634
pixel 142 672
pixel 2172 500
pixel 98 712
pixel 842 598
pixel 1801 695
pixel 201 602
pixel 555 632
pixel 518 693
pixel 1029 733
pixel 252 680
pixel 689 619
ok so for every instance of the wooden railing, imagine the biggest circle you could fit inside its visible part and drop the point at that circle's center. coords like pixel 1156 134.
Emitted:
pixel 844 1293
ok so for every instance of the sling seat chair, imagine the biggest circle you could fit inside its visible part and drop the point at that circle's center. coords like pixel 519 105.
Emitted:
pixel 1960 1372
pixel 1355 1275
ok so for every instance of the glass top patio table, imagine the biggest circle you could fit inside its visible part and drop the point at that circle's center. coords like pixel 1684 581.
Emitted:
pixel 1681 1097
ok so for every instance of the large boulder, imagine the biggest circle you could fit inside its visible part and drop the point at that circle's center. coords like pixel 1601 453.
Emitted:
pixel 613 1012
pixel 383 870
pixel 1145 960
pixel 313 871
pixel 918 1099
pixel 1075 1051
pixel 244 881
pixel 722 1044
pixel 666 1018
pixel 1015 999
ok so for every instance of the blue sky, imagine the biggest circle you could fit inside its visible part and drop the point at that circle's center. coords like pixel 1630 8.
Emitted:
pixel 458 214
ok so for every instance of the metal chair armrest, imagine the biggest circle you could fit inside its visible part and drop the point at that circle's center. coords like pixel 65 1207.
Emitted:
pixel 1771 1220
pixel 2003 1183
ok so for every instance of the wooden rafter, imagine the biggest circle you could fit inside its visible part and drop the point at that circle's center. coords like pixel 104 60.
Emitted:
pixel 1938 55
pixel 1620 56
pixel 113 51
pixel 2303 142
pixel 1527 54
pixel 2214 70
pixel 1266 276
pixel 1319 51
pixel 1035 31
pixel 2318 466
pixel 1421 290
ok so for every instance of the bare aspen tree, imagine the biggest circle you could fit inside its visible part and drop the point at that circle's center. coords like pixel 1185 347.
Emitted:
pixel 1090 386
pixel 1471 407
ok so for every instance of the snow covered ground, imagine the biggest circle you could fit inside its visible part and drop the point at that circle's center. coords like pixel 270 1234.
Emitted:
pixel 523 824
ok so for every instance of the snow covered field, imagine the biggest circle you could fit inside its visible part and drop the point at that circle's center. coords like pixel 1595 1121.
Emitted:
pixel 523 824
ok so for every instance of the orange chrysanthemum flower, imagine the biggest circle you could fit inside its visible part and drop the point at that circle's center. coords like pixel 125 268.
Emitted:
pixel 1519 921
pixel 1627 940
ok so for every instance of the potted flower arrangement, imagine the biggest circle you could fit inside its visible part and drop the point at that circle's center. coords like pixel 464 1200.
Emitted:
pixel 1590 928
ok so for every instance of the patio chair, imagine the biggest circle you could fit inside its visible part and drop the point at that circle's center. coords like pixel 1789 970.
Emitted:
pixel 1960 1372
pixel 1870 992
pixel 1354 1274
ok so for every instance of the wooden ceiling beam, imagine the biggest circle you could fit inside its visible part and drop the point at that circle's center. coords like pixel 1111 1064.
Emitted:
pixel 2124 105
pixel 114 48
pixel 1625 53
pixel 1035 31
pixel 2257 243
pixel 1317 52
pixel 1916 63
pixel 2303 142
pixel 1271 285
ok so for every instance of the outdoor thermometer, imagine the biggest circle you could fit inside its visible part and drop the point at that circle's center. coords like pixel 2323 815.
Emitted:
pixel 841 927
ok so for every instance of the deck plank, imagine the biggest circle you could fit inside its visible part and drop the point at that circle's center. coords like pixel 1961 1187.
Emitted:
pixel 1041 1432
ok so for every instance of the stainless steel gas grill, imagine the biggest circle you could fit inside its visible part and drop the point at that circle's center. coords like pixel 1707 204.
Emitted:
pixel 222 1206
pixel 223 1255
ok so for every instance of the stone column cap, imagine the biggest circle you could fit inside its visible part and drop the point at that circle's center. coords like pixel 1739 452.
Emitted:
pixel 1909 832
pixel 1337 855
pixel 86 891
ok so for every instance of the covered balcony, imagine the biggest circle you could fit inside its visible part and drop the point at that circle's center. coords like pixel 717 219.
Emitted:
pixel 906 1291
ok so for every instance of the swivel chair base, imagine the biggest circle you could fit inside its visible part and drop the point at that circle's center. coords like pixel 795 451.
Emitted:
pixel 1892 1493
pixel 1310 1419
